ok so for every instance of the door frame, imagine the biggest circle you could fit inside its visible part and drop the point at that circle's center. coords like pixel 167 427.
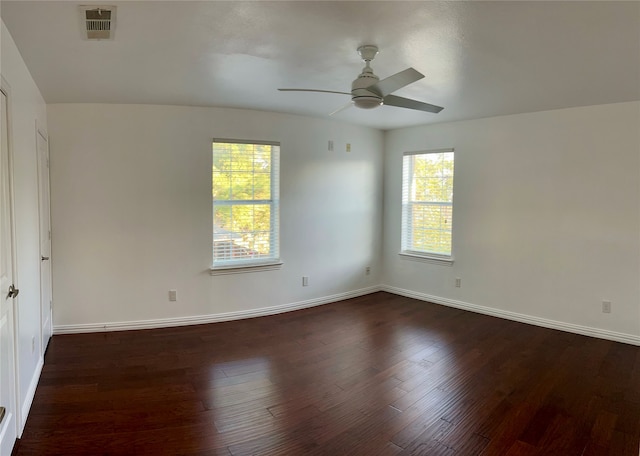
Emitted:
pixel 6 89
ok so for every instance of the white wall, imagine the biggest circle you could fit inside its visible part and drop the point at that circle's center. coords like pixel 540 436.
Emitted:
pixel 26 108
pixel 132 215
pixel 546 216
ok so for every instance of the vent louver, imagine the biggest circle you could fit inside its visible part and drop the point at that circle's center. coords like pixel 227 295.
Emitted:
pixel 98 22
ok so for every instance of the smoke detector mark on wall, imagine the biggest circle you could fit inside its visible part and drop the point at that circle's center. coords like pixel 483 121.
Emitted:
pixel 97 22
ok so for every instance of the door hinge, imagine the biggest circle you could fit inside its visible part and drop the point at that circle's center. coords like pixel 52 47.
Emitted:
pixel 13 291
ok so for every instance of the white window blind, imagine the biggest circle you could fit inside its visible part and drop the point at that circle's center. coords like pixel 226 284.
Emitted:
pixel 427 203
pixel 245 191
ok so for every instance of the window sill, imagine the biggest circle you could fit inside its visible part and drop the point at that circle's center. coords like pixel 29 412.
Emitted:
pixel 242 269
pixel 427 258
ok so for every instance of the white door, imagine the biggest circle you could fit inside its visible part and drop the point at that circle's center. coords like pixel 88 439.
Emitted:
pixel 45 238
pixel 7 293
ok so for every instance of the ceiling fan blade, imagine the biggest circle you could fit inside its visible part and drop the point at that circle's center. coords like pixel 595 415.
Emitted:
pixel 392 100
pixel 312 90
pixel 396 82
pixel 342 108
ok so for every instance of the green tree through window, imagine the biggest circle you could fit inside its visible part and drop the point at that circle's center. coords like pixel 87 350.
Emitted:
pixel 245 202
pixel 427 203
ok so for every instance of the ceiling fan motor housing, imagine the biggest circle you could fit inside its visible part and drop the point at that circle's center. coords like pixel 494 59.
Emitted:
pixel 361 96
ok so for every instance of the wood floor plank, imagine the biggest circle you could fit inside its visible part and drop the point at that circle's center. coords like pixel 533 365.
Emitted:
pixel 376 375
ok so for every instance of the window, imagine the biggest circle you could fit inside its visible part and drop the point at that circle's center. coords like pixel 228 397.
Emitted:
pixel 245 195
pixel 427 204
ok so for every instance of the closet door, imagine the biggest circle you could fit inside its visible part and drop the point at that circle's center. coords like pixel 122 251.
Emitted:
pixel 45 238
pixel 8 293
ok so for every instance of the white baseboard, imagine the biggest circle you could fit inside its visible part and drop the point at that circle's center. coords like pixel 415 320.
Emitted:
pixel 31 393
pixel 523 318
pixel 228 316
pixel 201 319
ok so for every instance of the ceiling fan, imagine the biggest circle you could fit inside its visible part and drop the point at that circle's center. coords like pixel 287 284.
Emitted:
pixel 368 91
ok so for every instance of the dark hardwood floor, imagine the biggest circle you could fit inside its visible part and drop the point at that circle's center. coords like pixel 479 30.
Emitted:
pixel 376 375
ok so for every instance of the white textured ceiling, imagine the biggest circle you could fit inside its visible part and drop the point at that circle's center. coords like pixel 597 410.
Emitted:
pixel 480 58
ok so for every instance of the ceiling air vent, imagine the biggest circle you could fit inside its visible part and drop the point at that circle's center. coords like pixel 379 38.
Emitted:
pixel 98 22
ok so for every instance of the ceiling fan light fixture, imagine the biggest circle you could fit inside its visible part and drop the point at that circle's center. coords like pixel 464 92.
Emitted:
pixel 367 102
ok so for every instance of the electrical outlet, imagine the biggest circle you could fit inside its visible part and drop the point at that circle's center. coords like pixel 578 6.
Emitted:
pixel 33 344
pixel 173 295
pixel 348 147
pixel 305 281
pixel 367 271
pixel 330 146
pixel 606 307
pixel 458 282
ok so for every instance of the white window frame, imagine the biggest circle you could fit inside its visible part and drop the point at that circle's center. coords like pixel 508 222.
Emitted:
pixel 406 229
pixel 272 262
